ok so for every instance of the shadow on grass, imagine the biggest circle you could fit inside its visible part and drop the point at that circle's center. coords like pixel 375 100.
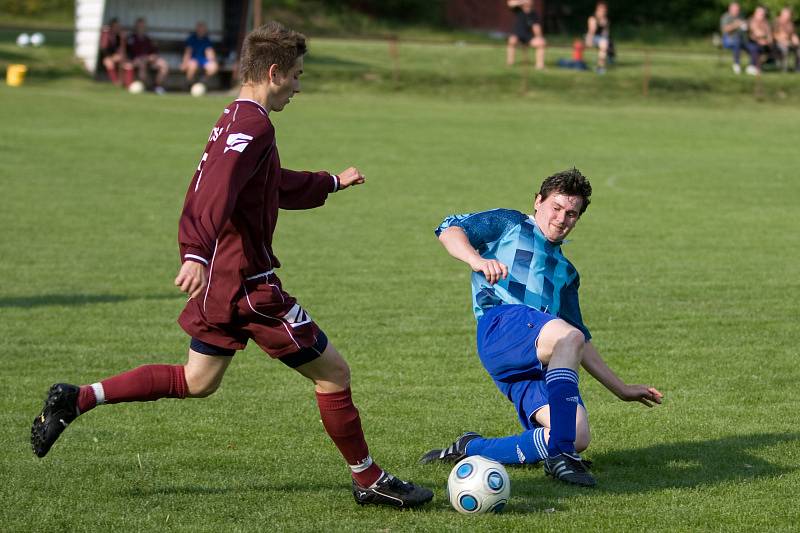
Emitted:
pixel 26 302
pixel 678 465
pixel 656 468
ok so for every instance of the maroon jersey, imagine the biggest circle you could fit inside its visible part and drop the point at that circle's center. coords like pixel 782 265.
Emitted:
pixel 231 206
pixel 140 45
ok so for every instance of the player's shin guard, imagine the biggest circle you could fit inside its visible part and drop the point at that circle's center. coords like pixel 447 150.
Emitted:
pixel 563 397
pixel 343 425
pixel 529 447
pixel 143 384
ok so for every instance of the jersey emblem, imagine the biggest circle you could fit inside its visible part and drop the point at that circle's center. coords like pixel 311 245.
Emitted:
pixel 237 141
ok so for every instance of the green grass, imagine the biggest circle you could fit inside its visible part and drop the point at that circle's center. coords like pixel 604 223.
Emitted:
pixel 689 267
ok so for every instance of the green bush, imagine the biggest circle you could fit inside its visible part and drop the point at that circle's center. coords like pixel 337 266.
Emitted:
pixel 36 7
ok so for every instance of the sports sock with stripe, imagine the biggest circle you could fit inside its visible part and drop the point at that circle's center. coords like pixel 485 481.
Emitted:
pixel 529 447
pixel 343 424
pixel 143 384
pixel 563 397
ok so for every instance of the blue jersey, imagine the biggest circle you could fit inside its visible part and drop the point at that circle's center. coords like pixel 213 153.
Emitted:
pixel 539 275
pixel 198 46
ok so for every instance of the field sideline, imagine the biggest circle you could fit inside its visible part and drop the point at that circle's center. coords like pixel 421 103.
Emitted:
pixel 689 265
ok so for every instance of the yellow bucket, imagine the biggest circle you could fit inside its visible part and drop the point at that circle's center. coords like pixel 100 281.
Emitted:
pixel 15 75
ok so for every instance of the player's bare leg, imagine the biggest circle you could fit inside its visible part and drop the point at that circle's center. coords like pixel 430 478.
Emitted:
pixel 162 70
pixel 539 45
pixel 602 53
pixel 211 68
pixel 198 378
pixel 204 373
pixel 191 71
pixel 560 347
pixel 371 485
pixel 583 435
pixel 110 64
pixel 511 49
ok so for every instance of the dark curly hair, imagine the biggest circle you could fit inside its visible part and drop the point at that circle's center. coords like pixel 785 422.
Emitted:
pixel 569 182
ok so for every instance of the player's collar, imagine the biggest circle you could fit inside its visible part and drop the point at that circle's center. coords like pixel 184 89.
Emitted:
pixel 539 233
pixel 252 102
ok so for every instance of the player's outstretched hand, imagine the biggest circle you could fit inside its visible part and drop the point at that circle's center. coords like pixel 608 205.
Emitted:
pixel 492 269
pixel 350 176
pixel 641 393
pixel 191 278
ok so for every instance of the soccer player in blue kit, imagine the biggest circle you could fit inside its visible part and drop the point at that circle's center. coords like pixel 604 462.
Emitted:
pixel 531 336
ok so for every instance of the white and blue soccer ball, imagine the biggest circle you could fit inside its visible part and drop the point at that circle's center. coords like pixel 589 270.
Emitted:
pixel 478 485
pixel 23 40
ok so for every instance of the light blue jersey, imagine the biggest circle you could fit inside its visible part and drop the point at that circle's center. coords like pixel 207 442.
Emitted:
pixel 539 275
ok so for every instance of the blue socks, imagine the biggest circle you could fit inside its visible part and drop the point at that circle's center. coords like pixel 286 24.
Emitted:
pixel 564 398
pixel 526 448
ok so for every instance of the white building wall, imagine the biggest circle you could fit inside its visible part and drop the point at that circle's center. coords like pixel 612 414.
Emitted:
pixel 88 21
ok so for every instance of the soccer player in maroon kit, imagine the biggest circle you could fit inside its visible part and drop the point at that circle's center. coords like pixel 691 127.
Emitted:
pixel 228 270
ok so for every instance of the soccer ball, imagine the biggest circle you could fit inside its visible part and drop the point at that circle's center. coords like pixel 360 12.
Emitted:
pixel 37 39
pixel 198 89
pixel 136 87
pixel 23 39
pixel 478 485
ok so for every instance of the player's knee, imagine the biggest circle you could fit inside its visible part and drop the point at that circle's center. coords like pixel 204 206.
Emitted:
pixel 572 339
pixel 201 387
pixel 338 372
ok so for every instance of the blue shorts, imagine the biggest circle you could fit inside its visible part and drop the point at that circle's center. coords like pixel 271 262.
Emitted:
pixel 507 336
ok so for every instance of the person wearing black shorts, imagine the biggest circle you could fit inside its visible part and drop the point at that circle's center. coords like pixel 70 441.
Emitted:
pixel 527 31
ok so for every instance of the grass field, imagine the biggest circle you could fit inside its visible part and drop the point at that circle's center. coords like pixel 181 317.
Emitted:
pixel 689 263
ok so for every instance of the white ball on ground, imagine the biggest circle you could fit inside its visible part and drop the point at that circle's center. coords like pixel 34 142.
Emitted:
pixel 37 39
pixel 23 39
pixel 478 485
pixel 198 89
pixel 136 87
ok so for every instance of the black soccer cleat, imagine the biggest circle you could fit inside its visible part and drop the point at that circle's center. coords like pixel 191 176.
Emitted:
pixel 453 453
pixel 569 469
pixel 389 490
pixel 60 408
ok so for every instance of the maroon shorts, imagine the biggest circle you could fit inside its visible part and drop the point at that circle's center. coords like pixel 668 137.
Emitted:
pixel 262 312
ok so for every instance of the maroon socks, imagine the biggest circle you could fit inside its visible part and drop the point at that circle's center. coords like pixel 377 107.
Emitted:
pixel 143 384
pixel 341 421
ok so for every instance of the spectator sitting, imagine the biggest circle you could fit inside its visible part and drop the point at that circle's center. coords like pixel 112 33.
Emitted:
pixel 733 28
pixel 144 55
pixel 577 61
pixel 527 31
pixel 199 53
pixel 786 40
pixel 599 34
pixel 112 51
pixel 760 39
